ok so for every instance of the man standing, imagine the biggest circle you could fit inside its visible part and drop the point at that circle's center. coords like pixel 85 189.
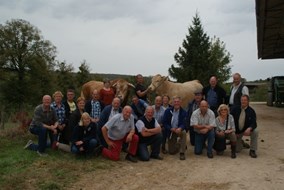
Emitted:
pixel 138 107
pixel 94 107
pixel 192 106
pixel 119 129
pixel 108 112
pixel 159 111
pixel 149 132
pixel 237 90
pixel 203 122
pixel 44 122
pixel 245 123
pixel 140 90
pixel 214 94
pixel 174 123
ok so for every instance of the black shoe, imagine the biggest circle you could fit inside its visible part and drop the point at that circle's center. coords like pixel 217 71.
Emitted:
pixel 245 145
pixel 252 154
pixel 181 156
pixel 131 158
pixel 233 155
pixel 164 151
pixel 98 150
pixel 209 155
pixel 157 157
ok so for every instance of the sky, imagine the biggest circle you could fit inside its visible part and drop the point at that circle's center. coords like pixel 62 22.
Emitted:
pixel 142 36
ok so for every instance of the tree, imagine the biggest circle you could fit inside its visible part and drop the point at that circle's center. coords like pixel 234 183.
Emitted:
pixel 83 75
pixel 219 60
pixel 199 58
pixel 65 76
pixel 25 59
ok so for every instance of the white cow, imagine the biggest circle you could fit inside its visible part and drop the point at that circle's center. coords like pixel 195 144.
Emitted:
pixel 186 90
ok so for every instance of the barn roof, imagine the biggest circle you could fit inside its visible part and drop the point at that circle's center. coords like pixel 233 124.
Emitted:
pixel 270 28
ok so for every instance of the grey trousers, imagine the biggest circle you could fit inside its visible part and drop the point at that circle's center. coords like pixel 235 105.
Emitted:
pixel 176 145
pixel 253 141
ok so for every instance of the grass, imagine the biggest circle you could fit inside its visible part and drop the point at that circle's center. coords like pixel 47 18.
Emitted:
pixel 24 169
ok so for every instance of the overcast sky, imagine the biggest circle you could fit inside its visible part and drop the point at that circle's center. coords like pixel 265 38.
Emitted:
pixel 142 36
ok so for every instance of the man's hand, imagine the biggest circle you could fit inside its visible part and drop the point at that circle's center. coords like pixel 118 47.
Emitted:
pixel 247 132
pixel 204 131
pixel 220 133
pixel 111 144
pixel 53 129
pixel 129 137
pixel 78 143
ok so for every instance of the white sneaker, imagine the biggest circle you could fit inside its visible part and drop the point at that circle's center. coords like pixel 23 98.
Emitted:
pixel 42 154
pixel 28 144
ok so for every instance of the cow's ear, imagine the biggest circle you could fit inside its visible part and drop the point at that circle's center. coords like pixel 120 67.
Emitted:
pixel 130 85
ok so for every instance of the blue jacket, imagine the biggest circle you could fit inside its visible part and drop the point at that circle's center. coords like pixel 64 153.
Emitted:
pixel 167 119
pixel 105 115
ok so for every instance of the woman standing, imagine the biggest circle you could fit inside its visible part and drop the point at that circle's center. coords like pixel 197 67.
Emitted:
pixel 225 129
pixel 106 93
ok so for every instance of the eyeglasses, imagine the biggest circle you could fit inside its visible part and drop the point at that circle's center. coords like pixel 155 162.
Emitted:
pixel 223 109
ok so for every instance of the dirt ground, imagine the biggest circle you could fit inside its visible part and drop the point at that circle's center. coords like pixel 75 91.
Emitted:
pixel 199 172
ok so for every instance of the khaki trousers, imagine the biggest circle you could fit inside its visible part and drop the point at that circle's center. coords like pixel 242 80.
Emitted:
pixel 176 145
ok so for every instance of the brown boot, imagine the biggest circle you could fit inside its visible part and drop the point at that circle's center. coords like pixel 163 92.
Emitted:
pixel 233 150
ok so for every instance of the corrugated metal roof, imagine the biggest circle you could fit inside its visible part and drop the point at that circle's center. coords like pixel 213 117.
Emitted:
pixel 270 28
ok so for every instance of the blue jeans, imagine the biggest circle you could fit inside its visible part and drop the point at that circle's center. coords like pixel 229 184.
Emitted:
pixel 200 139
pixel 89 147
pixel 155 143
pixel 41 132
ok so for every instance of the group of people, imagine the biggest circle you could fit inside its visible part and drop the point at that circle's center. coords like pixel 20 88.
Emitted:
pixel 102 126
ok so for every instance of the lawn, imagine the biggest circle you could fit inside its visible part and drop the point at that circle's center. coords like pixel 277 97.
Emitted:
pixel 24 169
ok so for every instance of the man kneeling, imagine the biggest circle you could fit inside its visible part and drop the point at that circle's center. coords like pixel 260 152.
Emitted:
pixel 149 132
pixel 119 129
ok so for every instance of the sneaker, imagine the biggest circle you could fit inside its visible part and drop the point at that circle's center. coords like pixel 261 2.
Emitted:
pixel 181 156
pixel 42 154
pixel 210 155
pixel 252 154
pixel 130 158
pixel 28 144
pixel 157 157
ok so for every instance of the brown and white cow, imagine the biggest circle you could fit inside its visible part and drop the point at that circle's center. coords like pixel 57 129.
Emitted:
pixel 186 90
pixel 121 87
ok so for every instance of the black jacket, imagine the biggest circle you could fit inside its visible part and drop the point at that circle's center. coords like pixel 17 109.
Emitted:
pixel 250 119
pixel 221 94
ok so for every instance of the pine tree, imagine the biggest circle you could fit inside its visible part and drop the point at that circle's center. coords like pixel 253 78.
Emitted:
pixel 199 58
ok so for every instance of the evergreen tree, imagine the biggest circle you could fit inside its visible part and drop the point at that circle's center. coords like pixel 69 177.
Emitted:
pixel 199 58
pixel 83 75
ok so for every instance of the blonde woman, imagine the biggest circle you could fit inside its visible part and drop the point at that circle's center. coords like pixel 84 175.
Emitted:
pixel 225 129
pixel 85 136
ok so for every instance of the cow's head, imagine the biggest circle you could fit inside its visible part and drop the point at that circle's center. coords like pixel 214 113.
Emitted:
pixel 157 81
pixel 121 87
